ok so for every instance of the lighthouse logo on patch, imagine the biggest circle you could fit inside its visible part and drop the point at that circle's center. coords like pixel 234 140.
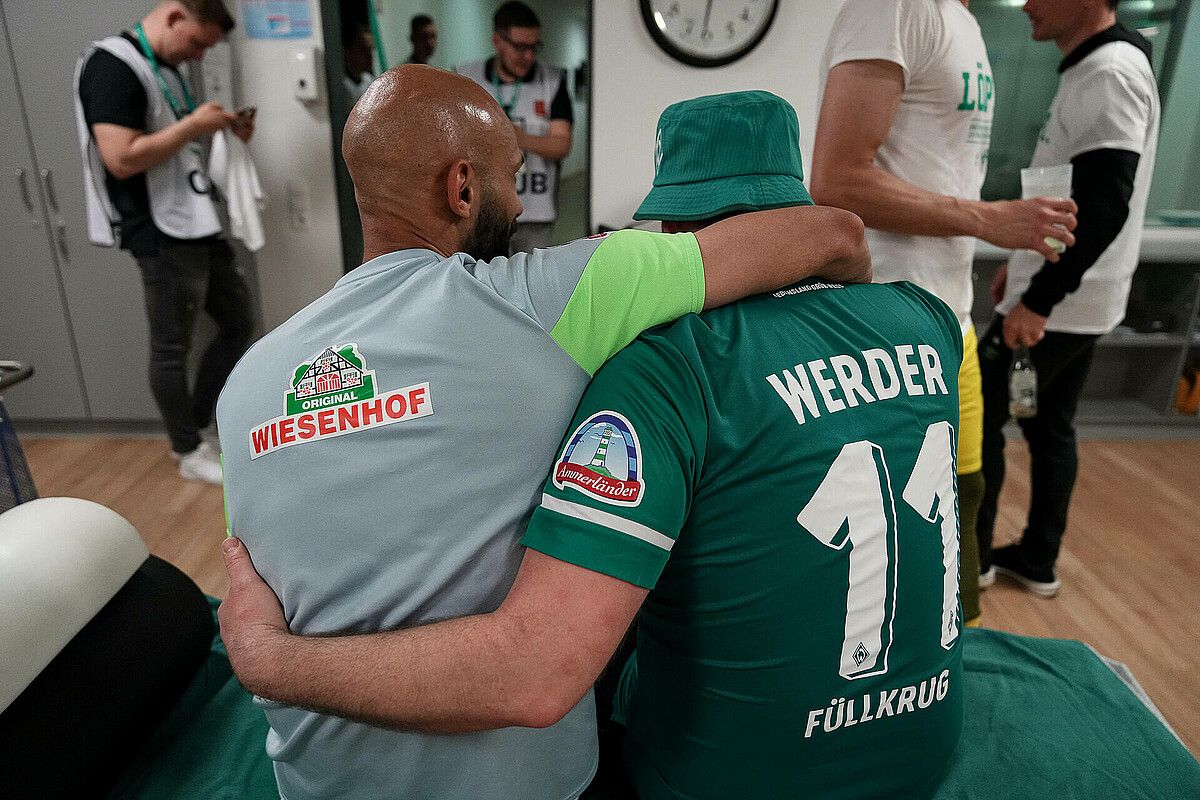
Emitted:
pixel 603 459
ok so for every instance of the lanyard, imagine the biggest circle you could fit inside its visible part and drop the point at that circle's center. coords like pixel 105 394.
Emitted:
pixel 162 82
pixel 516 95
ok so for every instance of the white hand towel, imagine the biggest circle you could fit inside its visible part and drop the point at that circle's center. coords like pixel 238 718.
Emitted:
pixel 232 171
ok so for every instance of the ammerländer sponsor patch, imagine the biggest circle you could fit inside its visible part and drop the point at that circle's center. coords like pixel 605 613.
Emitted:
pixel 335 394
pixel 603 460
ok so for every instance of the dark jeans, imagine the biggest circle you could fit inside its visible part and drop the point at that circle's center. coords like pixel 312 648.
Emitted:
pixel 1062 361
pixel 180 280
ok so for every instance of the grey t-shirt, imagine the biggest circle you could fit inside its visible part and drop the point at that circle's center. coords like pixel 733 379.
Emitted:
pixel 384 449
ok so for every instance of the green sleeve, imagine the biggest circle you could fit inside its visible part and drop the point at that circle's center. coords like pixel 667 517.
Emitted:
pixel 633 281
pixel 622 485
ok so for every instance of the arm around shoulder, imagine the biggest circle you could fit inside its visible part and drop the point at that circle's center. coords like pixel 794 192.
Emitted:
pixel 528 663
pixel 766 250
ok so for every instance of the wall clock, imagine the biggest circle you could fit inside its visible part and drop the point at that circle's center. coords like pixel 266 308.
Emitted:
pixel 708 33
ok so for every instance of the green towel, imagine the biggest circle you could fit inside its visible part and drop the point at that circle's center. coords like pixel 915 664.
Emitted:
pixel 1047 718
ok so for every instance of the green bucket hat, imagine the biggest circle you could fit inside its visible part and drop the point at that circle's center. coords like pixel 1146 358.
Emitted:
pixel 725 153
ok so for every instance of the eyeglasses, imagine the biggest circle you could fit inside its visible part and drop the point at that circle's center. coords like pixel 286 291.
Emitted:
pixel 531 49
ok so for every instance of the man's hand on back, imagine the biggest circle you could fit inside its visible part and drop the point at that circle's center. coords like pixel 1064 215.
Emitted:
pixel 251 619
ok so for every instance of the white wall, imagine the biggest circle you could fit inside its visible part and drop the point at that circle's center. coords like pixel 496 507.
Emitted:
pixel 292 149
pixel 633 81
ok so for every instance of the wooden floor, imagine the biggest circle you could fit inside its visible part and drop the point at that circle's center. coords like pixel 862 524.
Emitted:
pixel 1130 567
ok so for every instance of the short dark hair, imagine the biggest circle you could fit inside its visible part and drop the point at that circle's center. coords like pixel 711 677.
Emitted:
pixel 418 22
pixel 514 15
pixel 210 12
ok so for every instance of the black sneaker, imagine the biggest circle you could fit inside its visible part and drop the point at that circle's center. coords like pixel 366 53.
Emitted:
pixel 1007 561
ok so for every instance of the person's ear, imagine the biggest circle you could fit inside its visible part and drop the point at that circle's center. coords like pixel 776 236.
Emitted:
pixel 461 188
pixel 176 13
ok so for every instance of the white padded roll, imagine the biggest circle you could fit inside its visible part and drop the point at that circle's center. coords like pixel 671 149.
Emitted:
pixel 61 560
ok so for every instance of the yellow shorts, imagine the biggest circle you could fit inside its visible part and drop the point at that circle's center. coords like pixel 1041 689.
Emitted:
pixel 970 407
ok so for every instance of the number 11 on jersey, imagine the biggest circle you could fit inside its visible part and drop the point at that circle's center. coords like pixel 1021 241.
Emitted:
pixel 855 496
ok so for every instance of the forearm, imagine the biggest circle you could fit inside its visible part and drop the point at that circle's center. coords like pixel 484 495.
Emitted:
pixel 754 253
pixel 450 677
pixel 146 151
pixel 887 203
pixel 552 147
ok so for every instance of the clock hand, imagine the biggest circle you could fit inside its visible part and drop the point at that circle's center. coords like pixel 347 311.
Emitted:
pixel 707 14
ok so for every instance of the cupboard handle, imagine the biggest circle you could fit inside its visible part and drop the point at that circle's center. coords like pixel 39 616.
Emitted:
pixel 62 240
pixel 21 182
pixel 48 180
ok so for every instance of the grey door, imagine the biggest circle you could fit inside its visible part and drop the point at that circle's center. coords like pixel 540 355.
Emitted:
pixel 34 326
pixel 102 286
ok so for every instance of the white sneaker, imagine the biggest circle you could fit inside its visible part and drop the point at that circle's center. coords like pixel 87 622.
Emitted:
pixel 202 464
pixel 987 578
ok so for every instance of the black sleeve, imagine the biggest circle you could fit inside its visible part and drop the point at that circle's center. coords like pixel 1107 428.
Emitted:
pixel 560 106
pixel 1101 184
pixel 111 93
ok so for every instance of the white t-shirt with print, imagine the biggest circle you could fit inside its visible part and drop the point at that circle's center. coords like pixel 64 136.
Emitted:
pixel 941 132
pixel 1109 100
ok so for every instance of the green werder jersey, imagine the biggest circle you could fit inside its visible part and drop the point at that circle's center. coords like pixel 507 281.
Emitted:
pixel 781 474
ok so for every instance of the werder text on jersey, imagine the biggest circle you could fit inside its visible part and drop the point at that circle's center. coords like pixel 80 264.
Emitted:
pixel 833 384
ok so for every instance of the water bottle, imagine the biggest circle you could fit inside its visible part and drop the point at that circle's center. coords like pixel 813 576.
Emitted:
pixel 1022 385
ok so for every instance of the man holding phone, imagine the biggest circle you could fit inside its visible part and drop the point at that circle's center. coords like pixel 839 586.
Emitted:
pixel 143 140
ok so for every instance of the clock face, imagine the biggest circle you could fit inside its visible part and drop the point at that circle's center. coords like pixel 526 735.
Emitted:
pixel 708 33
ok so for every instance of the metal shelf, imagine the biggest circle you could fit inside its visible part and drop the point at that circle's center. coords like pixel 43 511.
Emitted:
pixel 1135 374
pixel 1119 410
pixel 1169 340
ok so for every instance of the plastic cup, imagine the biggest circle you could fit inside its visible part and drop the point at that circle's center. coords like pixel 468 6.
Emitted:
pixel 1054 181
